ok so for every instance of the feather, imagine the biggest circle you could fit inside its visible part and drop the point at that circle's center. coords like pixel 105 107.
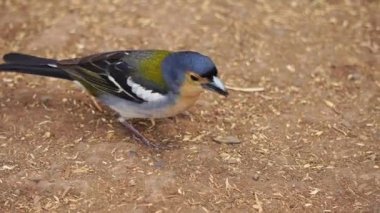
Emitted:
pixel 143 93
pixel 28 64
pixel 18 58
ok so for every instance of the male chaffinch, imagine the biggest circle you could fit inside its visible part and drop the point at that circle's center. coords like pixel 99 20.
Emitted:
pixel 134 83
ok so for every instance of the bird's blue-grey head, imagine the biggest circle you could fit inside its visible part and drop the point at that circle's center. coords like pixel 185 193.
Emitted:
pixel 176 65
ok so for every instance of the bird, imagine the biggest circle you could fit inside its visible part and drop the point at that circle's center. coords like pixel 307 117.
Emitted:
pixel 134 83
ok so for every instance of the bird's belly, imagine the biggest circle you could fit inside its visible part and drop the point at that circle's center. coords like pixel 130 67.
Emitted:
pixel 170 107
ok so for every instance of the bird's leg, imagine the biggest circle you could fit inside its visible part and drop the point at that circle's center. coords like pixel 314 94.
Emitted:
pixel 137 134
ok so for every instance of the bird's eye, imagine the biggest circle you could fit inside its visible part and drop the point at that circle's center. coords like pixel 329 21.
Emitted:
pixel 194 78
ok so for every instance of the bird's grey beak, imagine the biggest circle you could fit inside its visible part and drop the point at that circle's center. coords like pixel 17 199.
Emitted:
pixel 216 85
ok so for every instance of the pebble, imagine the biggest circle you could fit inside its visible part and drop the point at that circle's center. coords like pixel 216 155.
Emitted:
pixel 256 177
pixel 132 182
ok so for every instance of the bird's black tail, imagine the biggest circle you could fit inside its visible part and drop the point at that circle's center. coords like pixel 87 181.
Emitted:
pixel 16 62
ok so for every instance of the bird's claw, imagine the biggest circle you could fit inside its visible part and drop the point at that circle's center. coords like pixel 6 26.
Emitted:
pixel 146 142
pixel 138 136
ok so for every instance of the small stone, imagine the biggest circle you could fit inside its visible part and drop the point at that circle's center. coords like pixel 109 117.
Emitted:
pixel 227 140
pixel 291 68
pixel 132 182
pixel 354 77
pixel 256 177
pixel 47 135
pixel 46 98
pixel 159 164
pixel 132 154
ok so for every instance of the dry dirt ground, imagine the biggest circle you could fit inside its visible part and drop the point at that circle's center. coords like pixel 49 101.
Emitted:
pixel 309 141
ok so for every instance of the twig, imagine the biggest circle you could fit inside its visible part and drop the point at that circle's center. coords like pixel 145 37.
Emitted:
pixel 258 206
pixel 96 104
pixel 246 89
pixel 339 130
pixel 332 106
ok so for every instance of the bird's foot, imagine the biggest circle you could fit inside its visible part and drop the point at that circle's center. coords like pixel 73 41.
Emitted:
pixel 141 138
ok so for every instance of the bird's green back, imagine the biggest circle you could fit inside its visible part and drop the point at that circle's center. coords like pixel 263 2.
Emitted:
pixel 149 65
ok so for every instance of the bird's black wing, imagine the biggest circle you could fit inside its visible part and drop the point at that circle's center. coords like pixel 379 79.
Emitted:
pixel 103 73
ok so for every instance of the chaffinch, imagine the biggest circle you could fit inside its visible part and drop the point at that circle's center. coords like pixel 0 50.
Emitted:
pixel 134 83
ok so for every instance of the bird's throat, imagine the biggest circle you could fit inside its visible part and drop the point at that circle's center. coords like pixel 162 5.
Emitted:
pixel 189 94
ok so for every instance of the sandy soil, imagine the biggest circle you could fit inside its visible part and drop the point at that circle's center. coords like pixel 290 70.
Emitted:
pixel 309 141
